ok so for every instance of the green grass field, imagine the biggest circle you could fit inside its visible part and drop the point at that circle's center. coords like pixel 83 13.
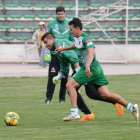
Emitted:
pixel 40 121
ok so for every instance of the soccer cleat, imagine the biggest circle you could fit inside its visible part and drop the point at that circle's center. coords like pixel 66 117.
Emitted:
pixel 62 101
pixel 135 111
pixel 72 116
pixel 119 109
pixel 87 117
pixel 47 101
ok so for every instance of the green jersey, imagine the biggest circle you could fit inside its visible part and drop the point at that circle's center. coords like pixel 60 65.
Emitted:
pixel 82 44
pixel 60 29
pixel 66 57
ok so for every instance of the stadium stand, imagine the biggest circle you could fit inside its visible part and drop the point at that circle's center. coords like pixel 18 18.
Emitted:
pixel 33 12
pixel 19 19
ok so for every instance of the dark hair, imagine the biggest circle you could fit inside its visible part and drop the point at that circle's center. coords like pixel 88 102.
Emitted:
pixel 76 22
pixel 48 36
pixel 60 9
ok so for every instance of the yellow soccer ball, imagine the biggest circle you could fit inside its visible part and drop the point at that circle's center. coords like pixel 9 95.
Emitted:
pixel 11 119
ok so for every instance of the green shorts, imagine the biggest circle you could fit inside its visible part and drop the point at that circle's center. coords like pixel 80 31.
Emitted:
pixel 97 78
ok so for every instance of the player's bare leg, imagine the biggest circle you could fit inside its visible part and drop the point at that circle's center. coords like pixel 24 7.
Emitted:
pixel 71 87
pixel 106 94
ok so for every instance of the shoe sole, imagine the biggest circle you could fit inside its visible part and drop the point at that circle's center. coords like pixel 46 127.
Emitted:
pixel 85 120
pixel 71 119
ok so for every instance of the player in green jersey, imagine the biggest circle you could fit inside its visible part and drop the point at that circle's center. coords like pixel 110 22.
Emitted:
pixel 91 72
pixel 66 58
pixel 59 27
pixel 71 57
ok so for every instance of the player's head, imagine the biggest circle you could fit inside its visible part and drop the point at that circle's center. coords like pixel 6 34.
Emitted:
pixel 48 40
pixel 76 27
pixel 60 13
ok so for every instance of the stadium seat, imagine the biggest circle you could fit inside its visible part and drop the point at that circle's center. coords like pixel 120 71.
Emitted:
pixel 43 16
pixel 107 37
pixel 67 6
pixel 82 6
pixel 83 16
pixel 105 27
pixel 70 16
pixel 97 16
pixel 135 37
pixel 23 38
pixel 7 38
pixel 108 4
pixel 33 27
pixel 89 27
pixel 29 16
pixel 19 27
pixel 3 16
pixel 136 4
pixel 132 26
pixel 138 16
pixel 26 5
pixel 52 6
pixel 118 26
pixel 96 37
pixel 12 5
pixel 1 5
pixel 15 16
pixel 90 37
pixel 129 16
pixel 120 37
pixel 5 27
pixel 96 5
pixel 114 16
pixel 54 16
pixel 40 6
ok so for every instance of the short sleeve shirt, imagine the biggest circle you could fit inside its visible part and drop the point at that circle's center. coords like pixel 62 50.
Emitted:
pixel 82 44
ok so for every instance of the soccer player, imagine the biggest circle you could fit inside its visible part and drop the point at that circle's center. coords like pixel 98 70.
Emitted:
pixel 71 57
pixel 60 29
pixel 91 72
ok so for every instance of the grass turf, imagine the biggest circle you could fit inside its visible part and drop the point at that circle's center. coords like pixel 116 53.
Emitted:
pixel 40 121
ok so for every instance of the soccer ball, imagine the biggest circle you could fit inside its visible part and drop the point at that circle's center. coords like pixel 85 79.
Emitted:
pixel 11 119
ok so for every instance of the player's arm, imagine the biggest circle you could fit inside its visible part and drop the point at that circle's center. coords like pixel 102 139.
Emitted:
pixel 91 50
pixel 73 59
pixel 57 78
pixel 64 70
pixel 77 67
pixel 65 48
pixel 89 61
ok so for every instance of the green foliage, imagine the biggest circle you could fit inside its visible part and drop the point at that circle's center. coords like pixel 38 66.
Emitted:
pixel 40 121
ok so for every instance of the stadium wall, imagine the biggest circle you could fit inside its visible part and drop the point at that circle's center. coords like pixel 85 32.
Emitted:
pixel 118 53
pixel 14 53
